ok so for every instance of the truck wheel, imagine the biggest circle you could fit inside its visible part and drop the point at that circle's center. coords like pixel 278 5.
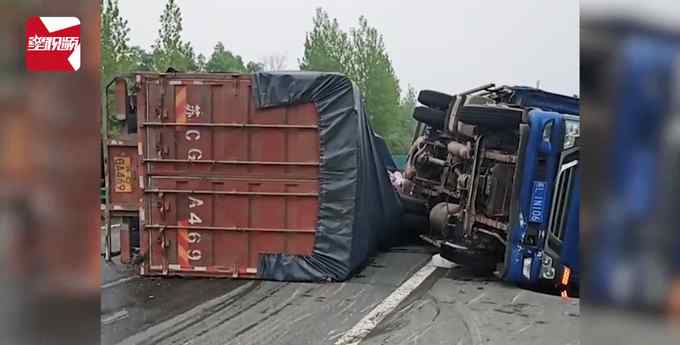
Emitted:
pixel 432 117
pixel 494 117
pixel 435 99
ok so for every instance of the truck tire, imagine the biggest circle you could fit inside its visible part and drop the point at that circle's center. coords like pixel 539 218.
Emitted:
pixel 435 99
pixel 489 116
pixel 433 117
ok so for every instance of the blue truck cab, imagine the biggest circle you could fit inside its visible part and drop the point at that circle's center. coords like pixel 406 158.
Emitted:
pixel 495 172
pixel 543 244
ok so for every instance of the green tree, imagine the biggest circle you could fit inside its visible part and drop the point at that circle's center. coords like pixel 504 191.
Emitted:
pixel 200 62
pixel 116 55
pixel 253 67
pixel 223 60
pixel 404 123
pixel 143 60
pixel 408 104
pixel 169 50
pixel 361 55
pixel 371 68
pixel 327 47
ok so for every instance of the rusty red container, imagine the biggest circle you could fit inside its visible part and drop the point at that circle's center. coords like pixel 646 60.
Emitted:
pixel 222 181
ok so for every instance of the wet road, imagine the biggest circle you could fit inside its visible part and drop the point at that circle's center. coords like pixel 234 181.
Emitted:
pixel 130 304
pixel 454 307
pixel 449 307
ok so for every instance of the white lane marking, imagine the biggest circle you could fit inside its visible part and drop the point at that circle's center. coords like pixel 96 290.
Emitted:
pixel 118 282
pixel 119 315
pixel 516 297
pixel 523 329
pixel 481 295
pixel 439 261
pixel 182 319
pixel 371 320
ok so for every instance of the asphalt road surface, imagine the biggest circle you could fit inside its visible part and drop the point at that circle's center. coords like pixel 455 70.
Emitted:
pixel 447 306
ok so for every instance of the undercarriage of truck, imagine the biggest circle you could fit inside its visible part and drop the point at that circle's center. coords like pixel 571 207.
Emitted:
pixel 461 172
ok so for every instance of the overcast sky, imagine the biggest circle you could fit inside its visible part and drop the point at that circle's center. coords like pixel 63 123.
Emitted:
pixel 443 45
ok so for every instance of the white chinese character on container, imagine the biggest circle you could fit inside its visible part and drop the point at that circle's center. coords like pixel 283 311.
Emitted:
pixel 192 111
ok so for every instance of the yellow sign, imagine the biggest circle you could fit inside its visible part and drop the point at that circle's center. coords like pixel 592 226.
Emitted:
pixel 122 175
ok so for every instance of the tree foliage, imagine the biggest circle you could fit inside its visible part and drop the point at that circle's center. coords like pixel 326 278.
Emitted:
pixel 223 60
pixel 143 60
pixel 406 125
pixel 253 67
pixel 200 63
pixel 170 50
pixel 327 47
pixel 116 57
pixel 361 55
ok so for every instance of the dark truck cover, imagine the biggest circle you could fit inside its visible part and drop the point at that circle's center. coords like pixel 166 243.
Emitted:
pixel 358 208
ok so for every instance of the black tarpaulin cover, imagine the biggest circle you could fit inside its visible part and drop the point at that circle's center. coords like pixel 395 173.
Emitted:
pixel 358 208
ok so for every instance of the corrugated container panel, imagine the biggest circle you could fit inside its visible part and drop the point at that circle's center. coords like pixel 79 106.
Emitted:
pixel 224 182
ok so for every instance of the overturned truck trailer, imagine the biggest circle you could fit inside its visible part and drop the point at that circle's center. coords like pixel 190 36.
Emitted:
pixel 273 175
